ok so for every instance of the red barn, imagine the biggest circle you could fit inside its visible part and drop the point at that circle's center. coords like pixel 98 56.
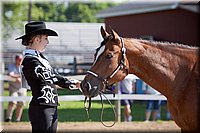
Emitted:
pixel 171 22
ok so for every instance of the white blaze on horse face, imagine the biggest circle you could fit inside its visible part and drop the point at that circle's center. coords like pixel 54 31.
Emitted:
pixel 99 53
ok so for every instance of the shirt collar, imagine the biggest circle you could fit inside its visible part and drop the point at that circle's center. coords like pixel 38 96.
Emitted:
pixel 31 52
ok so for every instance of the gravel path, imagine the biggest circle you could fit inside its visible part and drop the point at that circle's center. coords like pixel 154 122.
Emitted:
pixel 160 126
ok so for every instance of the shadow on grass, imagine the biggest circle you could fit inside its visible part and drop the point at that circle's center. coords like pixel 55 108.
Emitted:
pixel 75 115
pixel 80 115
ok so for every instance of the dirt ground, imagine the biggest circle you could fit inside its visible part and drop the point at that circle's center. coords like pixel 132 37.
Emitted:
pixel 160 126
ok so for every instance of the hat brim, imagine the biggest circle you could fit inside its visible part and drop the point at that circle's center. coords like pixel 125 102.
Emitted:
pixel 39 32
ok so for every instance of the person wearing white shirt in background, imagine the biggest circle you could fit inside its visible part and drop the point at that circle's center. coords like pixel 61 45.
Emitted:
pixel 127 86
pixel 151 104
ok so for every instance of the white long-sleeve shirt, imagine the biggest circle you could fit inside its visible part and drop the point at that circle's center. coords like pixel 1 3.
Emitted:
pixel 149 90
pixel 126 85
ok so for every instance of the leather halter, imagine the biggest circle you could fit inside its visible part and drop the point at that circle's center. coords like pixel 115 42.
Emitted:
pixel 121 65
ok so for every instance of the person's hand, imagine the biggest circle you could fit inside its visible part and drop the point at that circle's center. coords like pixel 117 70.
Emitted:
pixel 18 80
pixel 74 84
pixel 78 85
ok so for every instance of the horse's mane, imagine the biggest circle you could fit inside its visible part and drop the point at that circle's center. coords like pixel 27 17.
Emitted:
pixel 166 44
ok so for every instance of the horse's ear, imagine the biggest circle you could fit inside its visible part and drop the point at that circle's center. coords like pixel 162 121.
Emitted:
pixel 116 37
pixel 104 33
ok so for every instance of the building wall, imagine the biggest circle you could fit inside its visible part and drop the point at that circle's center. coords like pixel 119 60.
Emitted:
pixel 180 26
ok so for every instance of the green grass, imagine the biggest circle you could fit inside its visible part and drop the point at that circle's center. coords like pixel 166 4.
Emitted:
pixel 73 111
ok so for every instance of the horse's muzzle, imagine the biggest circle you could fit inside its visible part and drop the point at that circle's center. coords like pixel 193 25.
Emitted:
pixel 89 90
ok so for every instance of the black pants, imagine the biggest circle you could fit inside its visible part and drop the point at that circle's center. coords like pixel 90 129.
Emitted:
pixel 44 119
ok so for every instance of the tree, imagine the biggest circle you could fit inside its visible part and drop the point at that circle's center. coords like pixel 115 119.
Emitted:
pixel 13 16
pixel 49 11
pixel 85 12
pixel 16 13
pixel 78 12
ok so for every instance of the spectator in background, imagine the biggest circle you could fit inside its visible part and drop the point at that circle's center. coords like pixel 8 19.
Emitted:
pixel 168 115
pixel 15 90
pixel 127 86
pixel 151 104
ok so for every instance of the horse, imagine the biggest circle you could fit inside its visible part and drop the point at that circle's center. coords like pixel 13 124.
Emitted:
pixel 170 68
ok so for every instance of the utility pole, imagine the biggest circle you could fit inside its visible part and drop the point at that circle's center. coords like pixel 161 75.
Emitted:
pixel 75 65
pixel 29 11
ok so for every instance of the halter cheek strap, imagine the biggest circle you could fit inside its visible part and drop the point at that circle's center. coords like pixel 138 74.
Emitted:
pixel 122 62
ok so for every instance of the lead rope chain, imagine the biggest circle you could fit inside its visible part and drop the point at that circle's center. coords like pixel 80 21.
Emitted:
pixel 87 108
pixel 102 108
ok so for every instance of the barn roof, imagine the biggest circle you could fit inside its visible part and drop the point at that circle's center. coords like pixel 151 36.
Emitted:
pixel 138 8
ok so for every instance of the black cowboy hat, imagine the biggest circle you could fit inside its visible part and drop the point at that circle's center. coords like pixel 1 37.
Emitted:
pixel 36 28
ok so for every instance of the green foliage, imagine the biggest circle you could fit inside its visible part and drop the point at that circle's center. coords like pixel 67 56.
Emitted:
pixel 78 12
pixel 85 12
pixel 49 11
pixel 13 16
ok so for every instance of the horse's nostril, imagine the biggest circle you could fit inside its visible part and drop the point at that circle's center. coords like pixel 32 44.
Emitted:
pixel 89 90
pixel 88 86
pixel 85 86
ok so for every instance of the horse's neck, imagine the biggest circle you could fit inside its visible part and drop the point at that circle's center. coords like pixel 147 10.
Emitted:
pixel 162 68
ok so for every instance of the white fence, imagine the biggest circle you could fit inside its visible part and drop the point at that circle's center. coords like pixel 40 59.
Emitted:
pixel 81 97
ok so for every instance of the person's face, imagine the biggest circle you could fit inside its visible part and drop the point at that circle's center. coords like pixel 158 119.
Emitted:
pixel 18 61
pixel 40 42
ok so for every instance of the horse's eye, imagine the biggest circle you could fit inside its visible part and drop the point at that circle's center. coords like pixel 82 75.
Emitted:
pixel 109 56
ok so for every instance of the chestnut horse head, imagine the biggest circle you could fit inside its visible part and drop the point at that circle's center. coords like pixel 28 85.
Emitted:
pixel 170 68
pixel 110 65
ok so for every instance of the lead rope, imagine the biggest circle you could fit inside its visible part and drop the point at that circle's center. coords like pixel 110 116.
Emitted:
pixel 102 108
